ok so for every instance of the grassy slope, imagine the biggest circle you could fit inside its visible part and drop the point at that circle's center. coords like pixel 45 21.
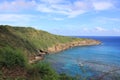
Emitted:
pixel 29 39
pixel 14 41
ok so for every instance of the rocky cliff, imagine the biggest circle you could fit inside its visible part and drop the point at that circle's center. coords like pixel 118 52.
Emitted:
pixel 61 47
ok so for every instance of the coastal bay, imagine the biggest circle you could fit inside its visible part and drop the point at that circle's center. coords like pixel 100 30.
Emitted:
pixel 100 61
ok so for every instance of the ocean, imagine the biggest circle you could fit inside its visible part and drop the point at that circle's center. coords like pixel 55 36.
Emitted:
pixel 101 61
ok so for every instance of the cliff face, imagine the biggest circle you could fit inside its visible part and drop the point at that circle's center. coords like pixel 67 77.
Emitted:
pixel 61 47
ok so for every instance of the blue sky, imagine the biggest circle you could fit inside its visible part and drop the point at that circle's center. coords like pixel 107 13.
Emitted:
pixel 64 17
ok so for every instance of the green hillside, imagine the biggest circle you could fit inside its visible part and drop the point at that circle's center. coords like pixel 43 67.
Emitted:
pixel 19 46
pixel 28 39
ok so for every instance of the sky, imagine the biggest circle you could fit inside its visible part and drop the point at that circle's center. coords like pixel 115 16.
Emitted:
pixel 64 17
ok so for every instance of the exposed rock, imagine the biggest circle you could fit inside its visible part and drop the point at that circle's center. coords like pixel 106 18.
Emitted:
pixel 61 47
pixel 36 58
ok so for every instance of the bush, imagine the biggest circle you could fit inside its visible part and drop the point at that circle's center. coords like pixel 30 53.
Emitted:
pixel 42 71
pixel 64 76
pixel 11 58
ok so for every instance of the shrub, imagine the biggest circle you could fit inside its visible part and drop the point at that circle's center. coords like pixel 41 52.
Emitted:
pixel 42 71
pixel 11 58
pixel 64 76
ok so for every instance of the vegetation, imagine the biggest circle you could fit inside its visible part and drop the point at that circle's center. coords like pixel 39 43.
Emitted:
pixel 29 40
pixel 12 63
pixel 17 44
pixel 14 66
pixel 42 71
pixel 64 76
pixel 11 58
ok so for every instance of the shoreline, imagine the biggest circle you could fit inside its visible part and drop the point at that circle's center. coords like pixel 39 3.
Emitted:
pixel 63 46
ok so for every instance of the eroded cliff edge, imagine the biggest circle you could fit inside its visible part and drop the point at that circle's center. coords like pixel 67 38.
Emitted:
pixel 61 47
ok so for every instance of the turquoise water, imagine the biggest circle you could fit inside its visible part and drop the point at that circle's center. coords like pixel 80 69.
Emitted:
pixel 89 61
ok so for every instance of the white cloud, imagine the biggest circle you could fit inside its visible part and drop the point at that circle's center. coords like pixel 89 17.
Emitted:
pixel 105 20
pixel 62 7
pixel 54 8
pixel 66 8
pixel 17 5
pixel 75 8
pixel 100 29
pixel 58 19
pixel 114 19
pixel 116 30
pixel 102 5
pixel 75 13
pixel 81 5
pixel 78 8
pixel 44 8
pixel 53 1
pixel 15 17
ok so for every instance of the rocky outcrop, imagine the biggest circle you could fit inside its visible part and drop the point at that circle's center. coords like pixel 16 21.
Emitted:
pixel 61 47
pixel 39 56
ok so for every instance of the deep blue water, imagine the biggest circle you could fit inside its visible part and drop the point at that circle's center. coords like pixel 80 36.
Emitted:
pixel 94 60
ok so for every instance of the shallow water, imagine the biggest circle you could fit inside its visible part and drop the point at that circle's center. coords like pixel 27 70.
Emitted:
pixel 89 61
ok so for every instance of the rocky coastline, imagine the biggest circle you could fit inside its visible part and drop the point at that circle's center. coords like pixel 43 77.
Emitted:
pixel 61 47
